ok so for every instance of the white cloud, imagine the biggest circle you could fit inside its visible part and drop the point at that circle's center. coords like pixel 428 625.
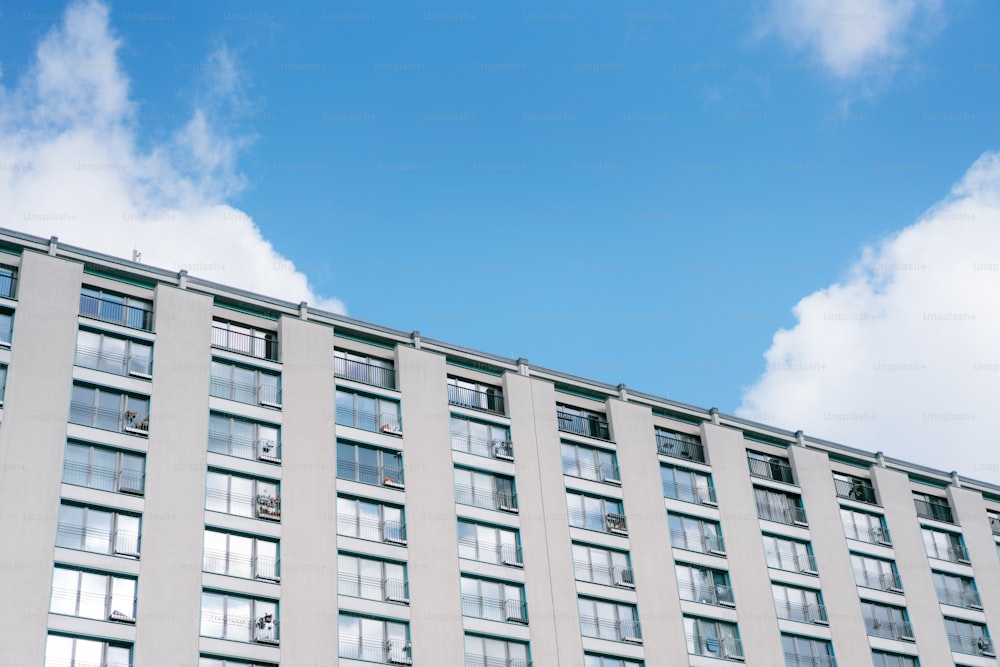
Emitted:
pixel 71 165
pixel 903 355
pixel 852 37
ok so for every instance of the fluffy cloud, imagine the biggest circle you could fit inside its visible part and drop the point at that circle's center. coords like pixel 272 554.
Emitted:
pixel 903 354
pixel 71 165
pixel 852 37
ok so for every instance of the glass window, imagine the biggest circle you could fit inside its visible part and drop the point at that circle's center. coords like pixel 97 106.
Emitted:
pixel 790 555
pixel 886 621
pixel 608 620
pixel 693 534
pixel 944 545
pixel 592 513
pixel 493 600
pixel 798 604
pixel 704 585
pixel 93 595
pixel 245 385
pixel 490 652
pixel 689 486
pixel 126 311
pixel 121 356
pixel 104 469
pixel 956 590
pixel 242 496
pixel 800 651
pixel 600 465
pixel 238 618
pixel 480 438
pixel 778 506
pixel 486 490
pixel 61 650
pixel 98 530
pixel 715 639
pixel 370 413
pixel 864 526
pixel 374 639
pixel 369 465
pixel 368 520
pixel 602 566
pixel 240 556
pixel 883 659
pixel 372 579
pixel 871 572
pixel 489 544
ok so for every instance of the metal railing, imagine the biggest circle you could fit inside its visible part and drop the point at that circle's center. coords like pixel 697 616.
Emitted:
pixel 240 504
pixel 393 532
pixel 385 422
pixel 494 609
pixel 605 472
pixel 114 543
pixel 796 660
pixel 128 421
pixel 714 594
pixel 667 444
pixel 871 535
pixel 994 524
pixel 889 629
pixel 883 581
pixel 258 345
pixel 691 493
pixel 69 662
pixel 8 285
pixel 373 588
pixel 244 447
pixel 774 469
pixel 692 541
pixel 956 553
pixel 268 396
pixel 592 426
pixel 616 631
pixel 859 490
pixel 803 613
pixel 494 448
pixel 365 373
pixel 504 554
pixel 476 399
pixel 106 310
pixel 136 365
pixel 726 648
pixel 797 562
pixel 934 511
pixel 104 479
pixel 263 630
pixel 376 475
pixel 483 661
pixel 615 575
pixel 245 567
pixel 781 513
pixel 99 606
pixel 974 645
pixel 269 507
pixel 967 598
pixel 491 500
pixel 616 523
pixel 375 649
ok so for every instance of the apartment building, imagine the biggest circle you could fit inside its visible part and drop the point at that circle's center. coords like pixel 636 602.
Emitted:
pixel 203 477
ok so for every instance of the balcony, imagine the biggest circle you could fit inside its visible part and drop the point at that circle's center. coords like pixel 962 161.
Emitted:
pixel 501 449
pixel 488 400
pixel 616 575
pixel 365 373
pixel 491 500
pixel 933 511
pixel 112 543
pixel 372 530
pixel 705 544
pixel 375 649
pixel 719 595
pixel 692 493
pixel 268 396
pixel 134 365
pixel 979 645
pixel 105 419
pixel 793 516
pixel 772 468
pixel 855 489
pixel 679 447
pixel 966 599
pixel 504 554
pixel 261 630
pixel 606 473
pixel 803 613
pixel 8 283
pixel 591 425
pixel 116 312
pixel 796 660
pixel 264 568
pixel 98 606
pixel 728 648
pixel 901 630
pixel 955 553
pixel 260 449
pixel 871 535
pixel 882 581
pixel 483 661
pixel 259 345
pixel 616 631
pixel 396 591
pixel 105 479
pixel 797 562
pixel 374 475
pixel 492 609
pixel 384 422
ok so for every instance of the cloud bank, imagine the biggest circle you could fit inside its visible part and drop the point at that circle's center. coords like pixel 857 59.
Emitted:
pixel 903 355
pixel 71 165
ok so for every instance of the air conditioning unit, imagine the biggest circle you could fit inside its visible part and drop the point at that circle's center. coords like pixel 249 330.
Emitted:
pixel 985 646
pixel 121 617
pixel 624 578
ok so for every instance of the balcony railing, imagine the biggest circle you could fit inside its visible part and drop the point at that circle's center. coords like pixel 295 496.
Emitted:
pixel 727 648
pixel 714 594
pixel 667 444
pixel 245 567
pixel 782 514
pixel 262 630
pixel 606 472
pixel 956 553
pixel 934 511
pixel 375 649
pixel 476 399
pixel 365 373
pixel 901 630
pixel 257 345
pixel 995 524
pixel 392 532
pixel 384 422
pixel 797 562
pixel 589 425
pixel 128 421
pixel 483 661
pixel 104 479
pixel 691 541
pixel 8 285
pixel 112 607
pixel 796 660
pixel 691 493
pixel 616 631
pixel 616 575
pixel 504 554
pixel 803 613
pixel 376 475
pixel 116 312
pixel 269 507
pixel 268 396
pixel 135 365
pixel 871 535
pixel 114 543
pixel 491 500
pixel 262 449
pixel 67 662
pixel 493 609
pixel 774 469
pixel 855 490
pixel 967 599
pixel 373 588
pixel 883 581
pixel 495 448
pixel 979 645
pixel 6 333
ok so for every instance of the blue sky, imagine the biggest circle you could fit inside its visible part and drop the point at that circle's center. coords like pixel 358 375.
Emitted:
pixel 636 192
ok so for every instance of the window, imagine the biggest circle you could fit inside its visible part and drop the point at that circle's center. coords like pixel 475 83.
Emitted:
pixel 779 507
pixel 243 438
pixel 598 565
pixel 944 546
pixel 244 339
pixel 932 507
pixel 481 489
pixel 374 639
pixel 593 660
pixel 994 518
pixel 969 637
pixel 956 590
pixel 242 496
pixel 489 544
pixel 109 410
pixel 689 486
pixel 693 534
pixel 3 382
pixel 679 445
pixel 372 579
pixel 714 639
pixel 704 585
pixel 770 467
pixel 490 652
pixel 889 622
pixel 493 600
pixel 481 438
pixel 104 469
pixel 98 530
pixel 103 597
pixel 600 465
pixel 121 356
pixel 6 327
pixel 798 604
pixel 245 385
pixel 782 553
pixel 63 651
pixel 855 488
pixel 883 659
pixel 369 413
pixel 362 368
pixel 864 527
pixel 239 618
pixel 204 661
pixel 241 556
pixel 475 395
pixel 8 281
pixel 369 465
pixel 870 572
pixel 602 619
pixel 583 422
pixel 807 652
pixel 126 311
pixel 592 513
pixel 369 520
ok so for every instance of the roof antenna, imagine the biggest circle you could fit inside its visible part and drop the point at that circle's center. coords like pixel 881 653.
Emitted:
pixel 136 255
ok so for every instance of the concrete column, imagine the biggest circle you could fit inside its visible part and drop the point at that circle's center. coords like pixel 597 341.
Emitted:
pixel 431 524
pixel 308 495
pixel 32 441
pixel 970 512
pixel 169 592
pixel 648 534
